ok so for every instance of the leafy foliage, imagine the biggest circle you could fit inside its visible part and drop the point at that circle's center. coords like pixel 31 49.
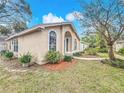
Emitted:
pixel 121 51
pixel 68 58
pixel 14 12
pixel 91 51
pixel 115 63
pixel 103 50
pixel 26 58
pixel 53 57
pixel 9 54
pixel 3 52
pixel 77 54
pixel 105 18
pixel 4 30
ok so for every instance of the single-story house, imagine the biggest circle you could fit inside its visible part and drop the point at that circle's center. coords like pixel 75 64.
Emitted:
pixel 2 42
pixel 118 45
pixel 42 38
pixel 83 45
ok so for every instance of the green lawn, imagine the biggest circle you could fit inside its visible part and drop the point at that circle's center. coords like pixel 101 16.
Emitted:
pixel 103 55
pixel 83 77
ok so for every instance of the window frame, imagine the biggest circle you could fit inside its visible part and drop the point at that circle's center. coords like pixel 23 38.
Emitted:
pixel 49 40
pixel 14 46
pixel 75 44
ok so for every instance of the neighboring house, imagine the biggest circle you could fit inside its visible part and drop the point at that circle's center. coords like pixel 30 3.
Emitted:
pixel 40 39
pixel 83 46
pixel 118 45
pixel 2 43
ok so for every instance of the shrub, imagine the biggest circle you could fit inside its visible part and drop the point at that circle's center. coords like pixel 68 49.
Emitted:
pixel 8 54
pixel 3 52
pixel 77 54
pixel 91 51
pixel 68 58
pixel 103 50
pixel 26 58
pixel 116 63
pixel 121 51
pixel 53 57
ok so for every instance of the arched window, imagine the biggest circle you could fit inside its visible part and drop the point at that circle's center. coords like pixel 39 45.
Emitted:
pixel 52 41
pixel 75 44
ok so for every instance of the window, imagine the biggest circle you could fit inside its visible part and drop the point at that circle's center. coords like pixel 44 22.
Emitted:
pixel 10 45
pixel 75 44
pixel 52 41
pixel 15 45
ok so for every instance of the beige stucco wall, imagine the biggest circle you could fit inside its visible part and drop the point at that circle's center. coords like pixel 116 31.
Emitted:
pixel 69 28
pixel 37 42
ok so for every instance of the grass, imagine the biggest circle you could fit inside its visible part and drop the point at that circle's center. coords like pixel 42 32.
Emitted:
pixel 103 55
pixel 84 77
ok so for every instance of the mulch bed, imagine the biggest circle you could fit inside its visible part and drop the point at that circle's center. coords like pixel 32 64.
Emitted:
pixel 59 66
pixel 14 66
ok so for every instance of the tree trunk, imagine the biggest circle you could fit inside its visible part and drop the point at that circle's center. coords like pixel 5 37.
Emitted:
pixel 111 52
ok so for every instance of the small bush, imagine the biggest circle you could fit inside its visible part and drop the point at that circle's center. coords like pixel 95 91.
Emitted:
pixel 2 53
pixel 26 58
pixel 116 63
pixel 53 57
pixel 77 54
pixel 91 51
pixel 8 54
pixel 103 50
pixel 121 51
pixel 68 58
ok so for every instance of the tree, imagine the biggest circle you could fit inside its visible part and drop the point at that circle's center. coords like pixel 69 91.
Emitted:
pixel 19 26
pixel 106 17
pixel 14 11
pixel 95 40
pixel 4 30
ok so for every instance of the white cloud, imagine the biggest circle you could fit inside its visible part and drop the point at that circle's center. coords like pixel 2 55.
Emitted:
pixel 51 18
pixel 70 17
pixel 73 16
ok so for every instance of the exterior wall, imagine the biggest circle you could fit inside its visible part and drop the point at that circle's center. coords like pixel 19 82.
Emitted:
pixel 58 31
pixel 37 43
pixel 69 28
pixel 83 46
pixel 118 46
pixel 2 43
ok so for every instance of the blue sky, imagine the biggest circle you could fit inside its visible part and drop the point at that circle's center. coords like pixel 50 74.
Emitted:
pixel 45 11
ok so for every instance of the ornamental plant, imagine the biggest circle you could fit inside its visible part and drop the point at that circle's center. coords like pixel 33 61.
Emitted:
pixel 53 57
pixel 25 58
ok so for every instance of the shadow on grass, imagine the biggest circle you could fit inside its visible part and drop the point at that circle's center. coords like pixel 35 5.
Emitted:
pixel 119 63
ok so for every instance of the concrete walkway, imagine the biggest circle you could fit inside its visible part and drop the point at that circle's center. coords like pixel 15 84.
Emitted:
pixel 89 59
pixel 98 59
